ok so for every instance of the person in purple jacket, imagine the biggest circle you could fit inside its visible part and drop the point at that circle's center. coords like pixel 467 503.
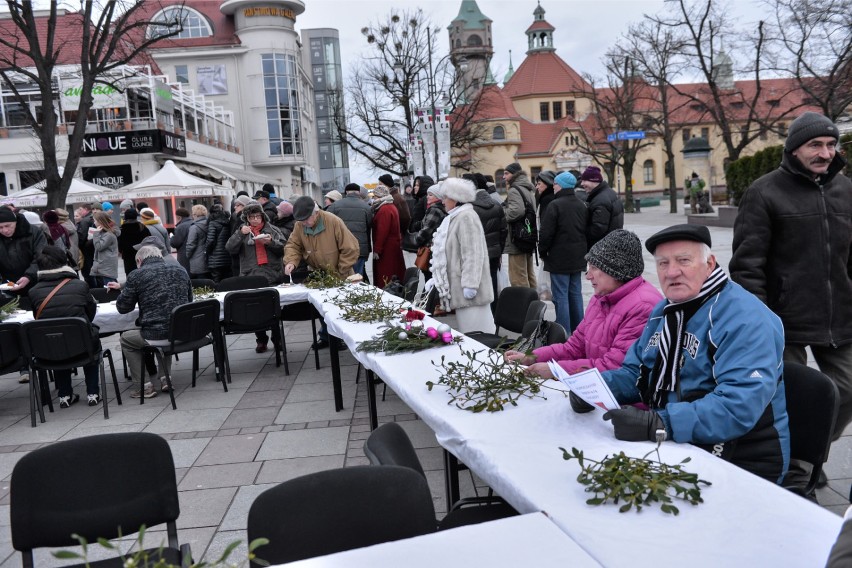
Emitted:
pixel 616 315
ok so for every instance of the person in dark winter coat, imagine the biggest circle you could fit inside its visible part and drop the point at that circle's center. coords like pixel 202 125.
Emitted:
pixel 410 200
pixel 180 235
pixel 263 197
pixel 20 246
pixel 792 249
pixel 606 213
pixel 260 246
pixel 562 246
pixel 435 214
pixel 218 233
pixel 387 246
pixel 493 219
pixel 196 244
pixel 72 300
pixel 399 202
pixel 420 191
pixel 132 233
pixel 544 190
pixel 521 191
pixel 285 220
pixel 87 248
pixel 357 215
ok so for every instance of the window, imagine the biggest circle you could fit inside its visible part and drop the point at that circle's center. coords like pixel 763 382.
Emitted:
pixel 705 133
pixel 572 140
pixel 686 134
pixel 534 171
pixel 648 172
pixel 499 133
pixel 280 85
pixel 557 110
pixel 182 74
pixel 193 24
pixel 474 41
pixel 544 108
pixel 569 108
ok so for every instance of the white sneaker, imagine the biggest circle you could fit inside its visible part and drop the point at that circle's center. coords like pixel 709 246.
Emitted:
pixel 164 385
pixel 94 399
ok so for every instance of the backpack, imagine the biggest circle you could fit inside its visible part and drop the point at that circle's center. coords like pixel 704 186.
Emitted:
pixel 525 229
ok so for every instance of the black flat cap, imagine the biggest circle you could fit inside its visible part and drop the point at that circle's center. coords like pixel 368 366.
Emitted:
pixel 698 233
pixel 303 208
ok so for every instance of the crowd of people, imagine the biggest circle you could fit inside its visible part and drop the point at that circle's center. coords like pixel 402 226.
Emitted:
pixel 700 363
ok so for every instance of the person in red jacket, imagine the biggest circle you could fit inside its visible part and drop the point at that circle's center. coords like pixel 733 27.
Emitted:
pixel 387 241
pixel 616 315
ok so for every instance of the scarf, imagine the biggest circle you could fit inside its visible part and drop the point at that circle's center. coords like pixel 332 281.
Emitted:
pixel 666 374
pixel 379 201
pixel 259 247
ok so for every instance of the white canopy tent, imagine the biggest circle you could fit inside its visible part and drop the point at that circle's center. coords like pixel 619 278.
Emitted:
pixel 170 181
pixel 80 191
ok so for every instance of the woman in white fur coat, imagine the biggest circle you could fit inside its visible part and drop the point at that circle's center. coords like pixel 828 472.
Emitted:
pixel 460 259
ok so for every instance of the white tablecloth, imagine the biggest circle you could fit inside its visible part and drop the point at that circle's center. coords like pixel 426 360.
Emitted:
pixel 110 321
pixel 744 521
pixel 524 541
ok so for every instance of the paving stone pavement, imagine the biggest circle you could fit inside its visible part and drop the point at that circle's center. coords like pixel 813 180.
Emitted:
pixel 229 447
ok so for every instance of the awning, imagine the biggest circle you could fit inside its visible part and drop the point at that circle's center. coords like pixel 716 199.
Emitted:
pixel 198 167
pixel 171 181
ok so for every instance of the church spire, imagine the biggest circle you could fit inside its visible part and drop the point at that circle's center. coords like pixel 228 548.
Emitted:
pixel 540 33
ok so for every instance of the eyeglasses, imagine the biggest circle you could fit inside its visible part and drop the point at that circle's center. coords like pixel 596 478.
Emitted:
pixel 256 216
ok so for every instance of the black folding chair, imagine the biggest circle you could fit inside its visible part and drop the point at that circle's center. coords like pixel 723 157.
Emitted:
pixel 63 343
pixel 104 486
pixel 241 283
pixel 340 509
pixel 390 445
pixel 13 360
pixel 302 311
pixel 191 327
pixel 511 314
pixel 248 311
pixel 812 406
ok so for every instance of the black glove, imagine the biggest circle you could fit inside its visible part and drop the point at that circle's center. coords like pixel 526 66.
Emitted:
pixel 579 405
pixel 635 425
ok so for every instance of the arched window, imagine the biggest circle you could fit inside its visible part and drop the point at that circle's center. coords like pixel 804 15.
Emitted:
pixel 193 23
pixel 499 133
pixel 648 171
pixel 458 43
pixel 474 41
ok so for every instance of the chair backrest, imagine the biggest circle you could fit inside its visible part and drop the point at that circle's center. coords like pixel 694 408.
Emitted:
pixel 512 306
pixel 390 445
pixel 535 313
pixel 104 295
pixel 340 509
pixel 555 334
pixel 58 343
pixel 12 356
pixel 203 283
pixel 812 403
pixel 300 311
pixel 251 309
pixel 101 486
pixel 194 321
pixel 241 283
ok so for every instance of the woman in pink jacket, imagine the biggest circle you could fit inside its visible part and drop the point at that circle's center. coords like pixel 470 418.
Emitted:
pixel 616 315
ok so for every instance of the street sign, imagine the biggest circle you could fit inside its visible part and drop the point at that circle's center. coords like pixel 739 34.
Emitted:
pixel 631 135
pixel 610 137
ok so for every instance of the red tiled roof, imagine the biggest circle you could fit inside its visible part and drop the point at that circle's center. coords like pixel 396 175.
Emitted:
pixel 495 104
pixel 540 25
pixel 544 73
pixel 224 32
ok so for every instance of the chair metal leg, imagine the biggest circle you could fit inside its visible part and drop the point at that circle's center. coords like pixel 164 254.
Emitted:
pixel 195 364
pixel 161 359
pixel 35 399
pixel 142 382
pixel 283 348
pixel 316 352
pixel 108 355
pixel 226 360
pixel 104 397
pixel 219 354
pixel 42 377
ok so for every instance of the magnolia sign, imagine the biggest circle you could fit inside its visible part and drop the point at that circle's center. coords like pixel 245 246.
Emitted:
pixel 104 96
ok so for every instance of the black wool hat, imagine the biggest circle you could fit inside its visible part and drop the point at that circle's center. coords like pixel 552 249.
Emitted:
pixel 546 176
pixel 352 187
pixel 7 215
pixel 698 233
pixel 619 254
pixel 514 168
pixel 386 180
pixel 807 127
pixel 303 208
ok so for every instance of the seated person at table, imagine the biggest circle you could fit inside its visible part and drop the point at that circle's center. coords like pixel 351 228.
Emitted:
pixel 708 364
pixel 158 288
pixel 616 315
pixel 20 245
pixel 71 300
pixel 322 240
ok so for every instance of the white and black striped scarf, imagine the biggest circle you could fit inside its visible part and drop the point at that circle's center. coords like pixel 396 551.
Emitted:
pixel 666 374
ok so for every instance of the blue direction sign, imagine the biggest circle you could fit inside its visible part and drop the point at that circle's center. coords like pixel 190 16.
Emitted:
pixel 610 137
pixel 631 135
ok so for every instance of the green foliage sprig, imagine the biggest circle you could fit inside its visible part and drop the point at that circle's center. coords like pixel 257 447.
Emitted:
pixel 488 384
pixel 8 308
pixel 365 304
pixel 203 293
pixel 637 482
pixel 153 557
pixel 323 278
pixel 390 341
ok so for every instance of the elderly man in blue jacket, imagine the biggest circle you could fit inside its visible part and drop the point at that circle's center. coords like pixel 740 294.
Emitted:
pixel 708 364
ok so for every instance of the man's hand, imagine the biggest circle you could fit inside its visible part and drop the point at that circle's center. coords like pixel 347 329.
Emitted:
pixel 113 285
pixel 634 425
pixel 288 269
pixel 469 293
pixel 22 283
